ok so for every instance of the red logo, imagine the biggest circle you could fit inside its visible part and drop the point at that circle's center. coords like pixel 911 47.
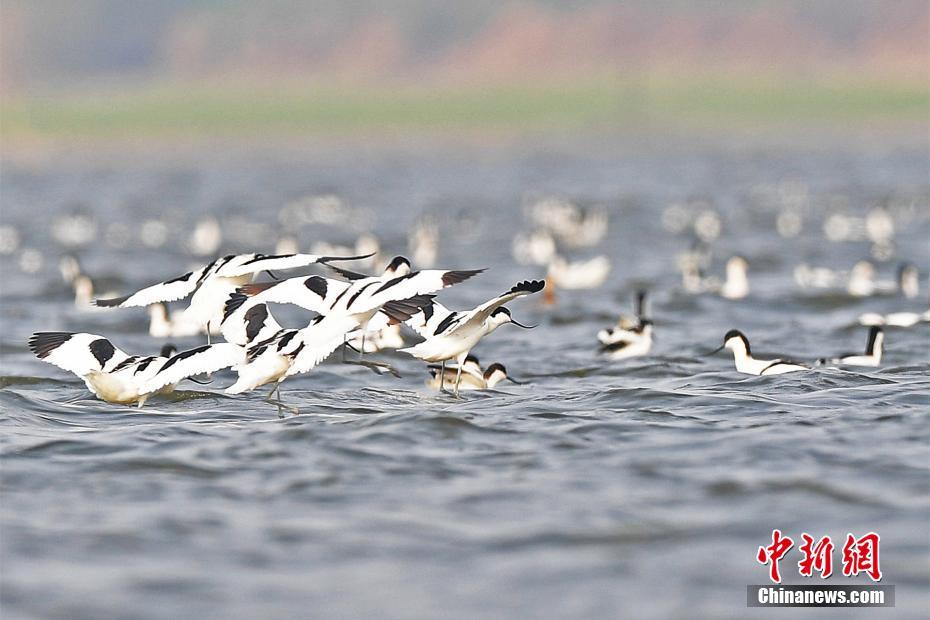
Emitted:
pixel 860 555
pixel 817 557
pixel 773 553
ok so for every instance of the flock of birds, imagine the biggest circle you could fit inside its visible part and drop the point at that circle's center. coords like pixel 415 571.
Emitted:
pixel 225 300
pixel 365 313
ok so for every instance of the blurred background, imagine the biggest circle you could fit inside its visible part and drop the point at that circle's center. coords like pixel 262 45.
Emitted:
pixel 105 67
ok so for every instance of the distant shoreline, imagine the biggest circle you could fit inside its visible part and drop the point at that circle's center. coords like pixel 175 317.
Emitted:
pixel 186 111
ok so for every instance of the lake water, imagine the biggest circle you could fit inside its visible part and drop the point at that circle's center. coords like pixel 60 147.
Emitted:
pixel 640 488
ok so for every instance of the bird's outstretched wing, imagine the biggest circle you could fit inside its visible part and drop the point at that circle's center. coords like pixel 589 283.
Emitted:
pixel 78 353
pixel 170 290
pixel 347 274
pixel 203 359
pixel 314 293
pixel 276 262
pixel 375 292
pixel 252 324
pixel 482 312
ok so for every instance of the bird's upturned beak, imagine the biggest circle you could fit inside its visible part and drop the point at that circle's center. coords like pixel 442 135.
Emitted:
pixel 518 324
pixel 514 381
pixel 709 353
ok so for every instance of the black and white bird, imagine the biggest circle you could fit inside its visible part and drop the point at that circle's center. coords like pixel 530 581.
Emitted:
pixel 116 377
pixel 451 335
pixel 473 377
pixel 736 341
pixel 210 285
pixel 290 352
pixel 631 336
pixel 872 356
pixel 360 299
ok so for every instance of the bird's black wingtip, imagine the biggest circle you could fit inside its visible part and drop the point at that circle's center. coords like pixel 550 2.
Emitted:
pixel 43 343
pixel 346 273
pixel 458 275
pixel 111 303
pixel 529 286
pixel 233 303
pixel 329 259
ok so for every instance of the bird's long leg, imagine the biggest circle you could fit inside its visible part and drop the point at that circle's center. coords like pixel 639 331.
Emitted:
pixel 277 388
pixel 208 333
pixel 361 351
pixel 458 379
pixel 442 376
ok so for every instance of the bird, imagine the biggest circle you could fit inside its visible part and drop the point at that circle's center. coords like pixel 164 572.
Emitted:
pixel 116 377
pixel 165 324
pixel 737 342
pixel 377 336
pixel 452 335
pixel 635 342
pixel 736 286
pixel 473 377
pixel 626 325
pixel 894 319
pixel 908 281
pixel 82 284
pixel 631 336
pixel 210 285
pixel 423 241
pixel 872 356
pixel 289 352
pixel 577 275
pixel 861 279
pixel 360 298
pixel 533 248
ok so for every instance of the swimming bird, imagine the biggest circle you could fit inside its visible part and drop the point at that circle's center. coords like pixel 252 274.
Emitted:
pixel 908 280
pixel 633 343
pixel 872 356
pixel 377 336
pixel 631 336
pixel 734 286
pixel 626 325
pixel 861 279
pixel 116 377
pixel 82 284
pixel 452 335
pixel 737 342
pixel 423 241
pixel 533 248
pixel 577 275
pixel 894 319
pixel 473 377
pixel 166 324
pixel 210 285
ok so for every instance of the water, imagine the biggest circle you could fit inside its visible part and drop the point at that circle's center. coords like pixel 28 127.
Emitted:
pixel 639 488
